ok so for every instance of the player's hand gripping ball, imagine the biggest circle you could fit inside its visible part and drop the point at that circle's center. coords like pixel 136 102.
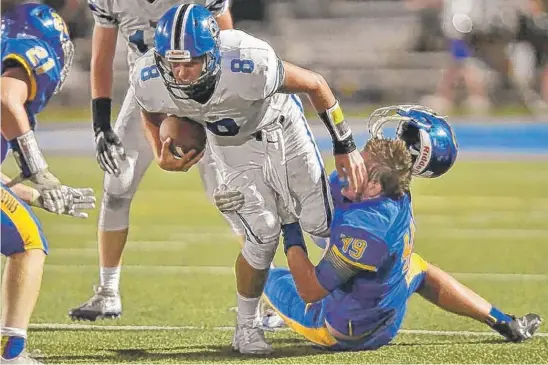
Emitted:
pixel 183 143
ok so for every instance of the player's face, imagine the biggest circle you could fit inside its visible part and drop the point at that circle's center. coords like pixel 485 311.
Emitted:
pixel 187 72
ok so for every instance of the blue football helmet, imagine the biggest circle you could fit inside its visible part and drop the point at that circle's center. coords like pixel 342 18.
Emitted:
pixel 183 33
pixel 429 137
pixel 41 22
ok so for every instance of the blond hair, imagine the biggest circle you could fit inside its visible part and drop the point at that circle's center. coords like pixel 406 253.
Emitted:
pixel 389 162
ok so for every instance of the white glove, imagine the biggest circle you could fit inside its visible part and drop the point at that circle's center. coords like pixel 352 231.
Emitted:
pixel 73 200
pixel 228 200
pixel 50 191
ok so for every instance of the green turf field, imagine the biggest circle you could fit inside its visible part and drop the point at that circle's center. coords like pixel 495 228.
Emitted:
pixel 481 221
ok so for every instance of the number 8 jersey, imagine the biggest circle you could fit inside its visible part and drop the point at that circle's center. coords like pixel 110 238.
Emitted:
pixel 245 98
pixel 136 19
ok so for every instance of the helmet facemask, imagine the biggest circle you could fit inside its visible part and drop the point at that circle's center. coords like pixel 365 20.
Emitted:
pixel 68 56
pixel 190 90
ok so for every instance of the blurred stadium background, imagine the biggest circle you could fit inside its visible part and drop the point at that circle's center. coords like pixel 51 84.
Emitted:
pixel 382 51
pixel 482 62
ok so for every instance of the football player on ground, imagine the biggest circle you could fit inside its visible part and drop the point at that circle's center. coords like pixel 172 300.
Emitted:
pixel 236 86
pixel 123 152
pixel 356 297
pixel 36 57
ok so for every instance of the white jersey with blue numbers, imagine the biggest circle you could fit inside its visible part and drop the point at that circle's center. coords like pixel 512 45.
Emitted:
pixel 136 19
pixel 245 98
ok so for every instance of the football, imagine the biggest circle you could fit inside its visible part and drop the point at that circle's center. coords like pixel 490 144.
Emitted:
pixel 185 134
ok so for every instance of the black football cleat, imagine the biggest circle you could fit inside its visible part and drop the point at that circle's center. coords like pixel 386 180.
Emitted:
pixel 519 329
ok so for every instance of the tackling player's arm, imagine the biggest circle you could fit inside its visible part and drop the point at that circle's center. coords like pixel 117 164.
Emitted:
pixel 346 256
pixel 348 160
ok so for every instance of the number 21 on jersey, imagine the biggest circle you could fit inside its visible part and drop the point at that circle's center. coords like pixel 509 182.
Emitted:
pixel 40 59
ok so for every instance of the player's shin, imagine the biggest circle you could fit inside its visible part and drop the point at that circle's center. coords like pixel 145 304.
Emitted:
pixel 20 289
pixel 446 292
pixel 250 283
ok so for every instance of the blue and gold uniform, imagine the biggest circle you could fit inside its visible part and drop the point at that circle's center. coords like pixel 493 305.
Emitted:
pixel 370 270
pixel 33 38
pixel 21 230
pixel 43 69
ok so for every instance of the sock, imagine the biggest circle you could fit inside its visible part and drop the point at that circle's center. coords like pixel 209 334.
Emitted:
pixel 110 278
pixel 496 317
pixel 247 309
pixel 13 342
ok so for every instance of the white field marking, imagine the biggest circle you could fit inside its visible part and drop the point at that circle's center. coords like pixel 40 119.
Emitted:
pixel 501 217
pixel 469 203
pixel 226 270
pixel 174 229
pixel 132 246
pixel 75 326
pixel 498 233
pixel 149 269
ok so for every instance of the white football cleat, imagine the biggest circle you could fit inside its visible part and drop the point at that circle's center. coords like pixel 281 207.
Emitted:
pixel 271 321
pixel 249 339
pixel 103 304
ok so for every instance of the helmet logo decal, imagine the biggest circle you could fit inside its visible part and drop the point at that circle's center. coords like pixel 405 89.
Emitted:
pixel 424 154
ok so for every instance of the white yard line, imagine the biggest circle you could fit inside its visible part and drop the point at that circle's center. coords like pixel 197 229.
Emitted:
pixel 60 326
pixel 152 269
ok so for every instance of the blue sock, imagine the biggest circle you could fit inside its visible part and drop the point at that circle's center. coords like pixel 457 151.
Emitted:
pixel 12 346
pixel 496 317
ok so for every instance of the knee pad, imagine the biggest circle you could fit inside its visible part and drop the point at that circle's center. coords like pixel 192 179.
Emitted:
pixel 259 256
pixel 114 214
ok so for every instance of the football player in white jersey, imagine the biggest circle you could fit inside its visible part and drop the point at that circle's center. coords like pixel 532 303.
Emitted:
pixel 123 152
pixel 235 85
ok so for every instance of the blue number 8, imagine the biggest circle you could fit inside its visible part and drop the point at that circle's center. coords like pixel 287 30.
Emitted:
pixel 245 66
pixel 224 127
pixel 149 72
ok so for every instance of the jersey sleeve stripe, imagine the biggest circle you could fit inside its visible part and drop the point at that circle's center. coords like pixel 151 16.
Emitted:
pixel 280 77
pixel 101 13
pixel 353 263
pixel 23 62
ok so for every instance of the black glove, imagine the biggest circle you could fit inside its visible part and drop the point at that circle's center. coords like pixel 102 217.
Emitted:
pixel 108 147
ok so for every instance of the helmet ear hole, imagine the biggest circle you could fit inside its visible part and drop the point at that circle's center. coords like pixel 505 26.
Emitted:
pixel 411 136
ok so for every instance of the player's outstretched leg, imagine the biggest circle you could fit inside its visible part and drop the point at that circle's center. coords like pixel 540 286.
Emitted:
pixel 447 293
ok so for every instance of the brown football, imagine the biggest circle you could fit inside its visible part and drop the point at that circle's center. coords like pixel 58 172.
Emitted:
pixel 185 134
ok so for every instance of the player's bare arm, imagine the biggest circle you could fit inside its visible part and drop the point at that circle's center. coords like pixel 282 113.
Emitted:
pixel 225 20
pixel 162 152
pixel 348 161
pixel 103 49
pixel 15 88
pixel 304 274
pixel 23 192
